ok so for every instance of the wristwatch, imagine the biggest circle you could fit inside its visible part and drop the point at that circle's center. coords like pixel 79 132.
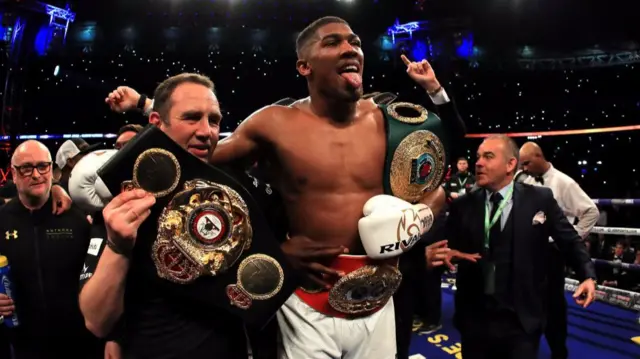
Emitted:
pixel 123 250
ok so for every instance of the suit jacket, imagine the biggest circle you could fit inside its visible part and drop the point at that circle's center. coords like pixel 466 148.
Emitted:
pixel 465 232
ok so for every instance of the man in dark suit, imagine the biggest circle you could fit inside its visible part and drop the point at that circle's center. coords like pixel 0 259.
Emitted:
pixel 501 299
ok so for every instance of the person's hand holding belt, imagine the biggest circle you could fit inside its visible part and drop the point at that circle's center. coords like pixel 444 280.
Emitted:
pixel 307 255
pixel 123 216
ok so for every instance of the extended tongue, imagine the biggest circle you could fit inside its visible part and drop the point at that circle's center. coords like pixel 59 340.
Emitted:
pixel 353 78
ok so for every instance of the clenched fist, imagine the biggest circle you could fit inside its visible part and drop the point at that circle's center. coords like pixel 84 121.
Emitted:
pixel 122 99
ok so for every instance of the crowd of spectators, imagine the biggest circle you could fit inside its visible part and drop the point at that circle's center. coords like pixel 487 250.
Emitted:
pixel 71 102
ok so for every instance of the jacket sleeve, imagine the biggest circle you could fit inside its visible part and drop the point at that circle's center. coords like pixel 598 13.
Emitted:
pixel 454 125
pixel 452 226
pixel 567 239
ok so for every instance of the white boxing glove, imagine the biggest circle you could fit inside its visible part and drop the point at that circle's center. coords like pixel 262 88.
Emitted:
pixel 392 226
pixel 85 187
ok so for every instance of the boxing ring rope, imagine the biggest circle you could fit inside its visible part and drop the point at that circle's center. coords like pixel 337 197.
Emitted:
pixel 618 231
pixel 614 296
pixel 617 201
pixel 628 266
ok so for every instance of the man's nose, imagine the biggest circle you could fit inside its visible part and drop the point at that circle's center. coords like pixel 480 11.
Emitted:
pixel 348 50
pixel 203 127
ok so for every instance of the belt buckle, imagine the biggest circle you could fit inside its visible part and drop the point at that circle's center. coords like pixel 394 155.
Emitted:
pixel 203 230
pixel 365 289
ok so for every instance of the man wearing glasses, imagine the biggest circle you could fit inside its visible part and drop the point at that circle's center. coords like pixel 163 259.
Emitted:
pixel 46 253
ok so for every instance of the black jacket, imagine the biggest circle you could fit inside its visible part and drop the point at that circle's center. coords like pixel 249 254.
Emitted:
pixel 46 253
pixel 465 232
pixel 457 183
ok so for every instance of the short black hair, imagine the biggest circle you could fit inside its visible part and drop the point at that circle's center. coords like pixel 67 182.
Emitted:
pixel 130 128
pixel 462 159
pixel 309 32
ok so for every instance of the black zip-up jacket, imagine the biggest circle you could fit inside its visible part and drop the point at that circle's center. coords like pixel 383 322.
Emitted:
pixel 46 254
pixel 458 182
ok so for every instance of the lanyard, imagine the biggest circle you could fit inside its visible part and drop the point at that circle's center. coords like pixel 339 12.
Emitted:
pixel 490 223
pixel 461 183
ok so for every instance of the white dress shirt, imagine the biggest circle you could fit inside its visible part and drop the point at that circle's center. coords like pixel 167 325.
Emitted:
pixel 440 97
pixel 573 201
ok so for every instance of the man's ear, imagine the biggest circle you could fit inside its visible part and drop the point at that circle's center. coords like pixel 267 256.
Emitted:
pixel 154 119
pixel 512 166
pixel 303 68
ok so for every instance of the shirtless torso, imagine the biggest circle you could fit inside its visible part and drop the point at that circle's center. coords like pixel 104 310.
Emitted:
pixel 325 171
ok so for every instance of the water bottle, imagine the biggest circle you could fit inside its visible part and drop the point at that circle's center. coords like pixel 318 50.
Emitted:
pixel 7 289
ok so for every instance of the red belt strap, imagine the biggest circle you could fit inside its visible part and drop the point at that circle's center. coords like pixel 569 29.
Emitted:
pixel 347 264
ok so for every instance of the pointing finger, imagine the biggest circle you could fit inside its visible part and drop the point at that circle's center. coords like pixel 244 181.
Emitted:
pixel 405 60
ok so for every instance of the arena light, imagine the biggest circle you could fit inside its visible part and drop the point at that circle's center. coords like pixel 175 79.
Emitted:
pixel 56 71
pixel 46 136
pixel 560 133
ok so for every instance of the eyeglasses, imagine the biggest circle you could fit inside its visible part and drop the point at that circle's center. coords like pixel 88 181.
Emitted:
pixel 27 170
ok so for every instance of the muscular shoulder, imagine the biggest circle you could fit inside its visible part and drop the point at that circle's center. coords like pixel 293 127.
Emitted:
pixel 266 118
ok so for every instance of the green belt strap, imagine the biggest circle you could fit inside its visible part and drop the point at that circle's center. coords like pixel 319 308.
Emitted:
pixel 416 157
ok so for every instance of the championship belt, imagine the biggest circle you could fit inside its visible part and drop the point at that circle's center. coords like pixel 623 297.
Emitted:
pixel 416 151
pixel 366 288
pixel 206 241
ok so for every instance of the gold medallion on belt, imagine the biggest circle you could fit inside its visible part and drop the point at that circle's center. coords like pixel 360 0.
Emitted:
pixel 259 277
pixel 202 231
pixel 418 162
pixel 365 289
pixel 156 171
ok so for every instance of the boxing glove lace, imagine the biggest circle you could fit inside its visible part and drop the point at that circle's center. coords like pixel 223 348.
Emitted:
pixel 392 226
pixel 85 187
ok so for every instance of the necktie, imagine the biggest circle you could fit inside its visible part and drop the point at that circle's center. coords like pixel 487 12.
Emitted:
pixel 495 231
pixel 539 179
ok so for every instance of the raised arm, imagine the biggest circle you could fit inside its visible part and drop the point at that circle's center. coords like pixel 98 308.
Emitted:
pixel 245 144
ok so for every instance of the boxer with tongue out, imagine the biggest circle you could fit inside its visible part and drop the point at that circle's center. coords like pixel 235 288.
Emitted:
pixel 342 165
